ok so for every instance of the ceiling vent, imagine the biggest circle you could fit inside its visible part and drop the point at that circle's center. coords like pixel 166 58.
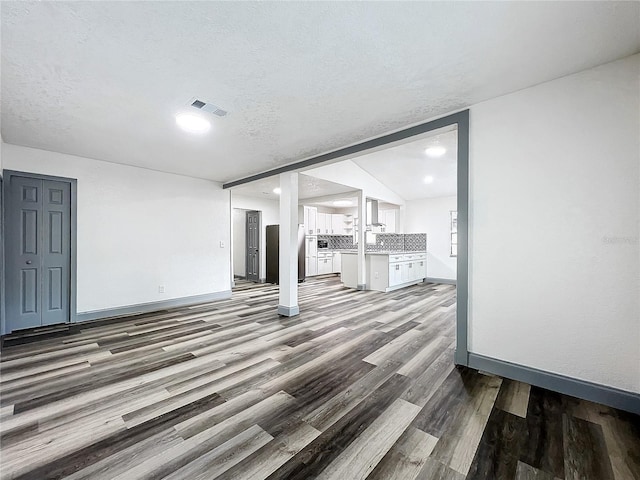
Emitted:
pixel 208 107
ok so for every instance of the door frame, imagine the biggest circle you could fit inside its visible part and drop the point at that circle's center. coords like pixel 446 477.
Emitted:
pixel 461 120
pixel 246 243
pixel 73 267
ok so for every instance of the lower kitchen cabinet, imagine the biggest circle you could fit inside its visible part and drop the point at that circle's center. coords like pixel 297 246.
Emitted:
pixel 325 263
pixel 337 262
pixel 389 272
pixel 311 266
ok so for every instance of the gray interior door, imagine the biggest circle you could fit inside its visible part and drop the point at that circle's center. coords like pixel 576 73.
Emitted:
pixel 38 252
pixel 253 246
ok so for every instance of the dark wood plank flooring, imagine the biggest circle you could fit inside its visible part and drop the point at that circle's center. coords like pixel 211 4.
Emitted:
pixel 360 385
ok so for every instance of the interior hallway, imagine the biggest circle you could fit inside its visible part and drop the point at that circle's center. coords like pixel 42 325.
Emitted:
pixel 360 385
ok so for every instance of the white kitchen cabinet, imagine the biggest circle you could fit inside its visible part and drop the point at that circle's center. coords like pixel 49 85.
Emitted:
pixel 310 220
pixel 325 263
pixel 407 271
pixel 390 221
pixel 311 250
pixel 328 223
pixel 311 266
pixel 337 262
pixel 388 218
pixel 311 256
pixel 421 269
pixel 403 269
pixel 322 223
pixel 337 224
pixel 395 274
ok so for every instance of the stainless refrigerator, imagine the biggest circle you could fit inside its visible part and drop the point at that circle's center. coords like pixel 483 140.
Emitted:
pixel 273 253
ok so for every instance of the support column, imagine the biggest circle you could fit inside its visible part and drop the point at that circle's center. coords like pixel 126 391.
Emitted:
pixel 288 251
pixel 362 236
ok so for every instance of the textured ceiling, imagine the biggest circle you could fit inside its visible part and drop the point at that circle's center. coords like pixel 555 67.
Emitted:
pixel 105 79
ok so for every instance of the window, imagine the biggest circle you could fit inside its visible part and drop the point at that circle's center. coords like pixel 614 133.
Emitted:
pixel 454 233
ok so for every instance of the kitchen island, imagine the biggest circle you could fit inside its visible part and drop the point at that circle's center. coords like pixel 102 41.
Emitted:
pixel 386 271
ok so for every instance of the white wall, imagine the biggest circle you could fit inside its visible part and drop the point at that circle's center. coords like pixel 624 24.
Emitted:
pixel 270 216
pixel 431 216
pixel 554 217
pixel 239 234
pixel 138 229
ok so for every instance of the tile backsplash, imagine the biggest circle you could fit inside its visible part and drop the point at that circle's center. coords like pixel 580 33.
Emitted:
pixel 385 242
pixel 396 242
pixel 415 242
pixel 339 242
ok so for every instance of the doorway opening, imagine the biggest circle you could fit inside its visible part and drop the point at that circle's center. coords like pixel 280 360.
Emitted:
pixel 252 249
pixel 456 233
pixel 247 250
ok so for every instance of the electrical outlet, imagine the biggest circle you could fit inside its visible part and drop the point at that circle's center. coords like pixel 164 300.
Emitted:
pixel 376 275
pixel 221 244
pixel 160 288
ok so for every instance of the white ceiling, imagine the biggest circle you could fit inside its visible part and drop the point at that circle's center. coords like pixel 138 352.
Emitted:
pixel 403 168
pixel 105 79
pixel 308 187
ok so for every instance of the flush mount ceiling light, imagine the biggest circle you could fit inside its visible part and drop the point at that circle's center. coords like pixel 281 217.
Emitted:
pixel 435 151
pixel 343 203
pixel 192 123
pixel 277 191
pixel 428 179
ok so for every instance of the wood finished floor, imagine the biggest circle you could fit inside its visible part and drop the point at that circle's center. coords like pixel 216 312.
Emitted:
pixel 360 385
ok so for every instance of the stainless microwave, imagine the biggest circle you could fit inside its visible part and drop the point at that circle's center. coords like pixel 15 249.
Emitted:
pixel 323 244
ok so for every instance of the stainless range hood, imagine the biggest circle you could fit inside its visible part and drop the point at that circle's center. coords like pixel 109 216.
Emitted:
pixel 374 214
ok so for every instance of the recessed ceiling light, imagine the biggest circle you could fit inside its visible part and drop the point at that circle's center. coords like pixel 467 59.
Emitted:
pixel 428 179
pixel 343 203
pixel 192 123
pixel 435 151
pixel 277 191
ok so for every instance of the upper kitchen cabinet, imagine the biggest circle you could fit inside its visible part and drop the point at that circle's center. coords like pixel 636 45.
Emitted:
pixel 389 220
pixel 310 220
pixel 337 224
pixel 333 224
pixel 324 223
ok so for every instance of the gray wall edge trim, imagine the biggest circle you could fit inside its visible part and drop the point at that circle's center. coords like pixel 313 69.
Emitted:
pixel 447 281
pixel 288 311
pixel 610 396
pixel 152 306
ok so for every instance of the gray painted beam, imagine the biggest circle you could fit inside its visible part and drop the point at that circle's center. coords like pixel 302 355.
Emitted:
pixel 360 147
